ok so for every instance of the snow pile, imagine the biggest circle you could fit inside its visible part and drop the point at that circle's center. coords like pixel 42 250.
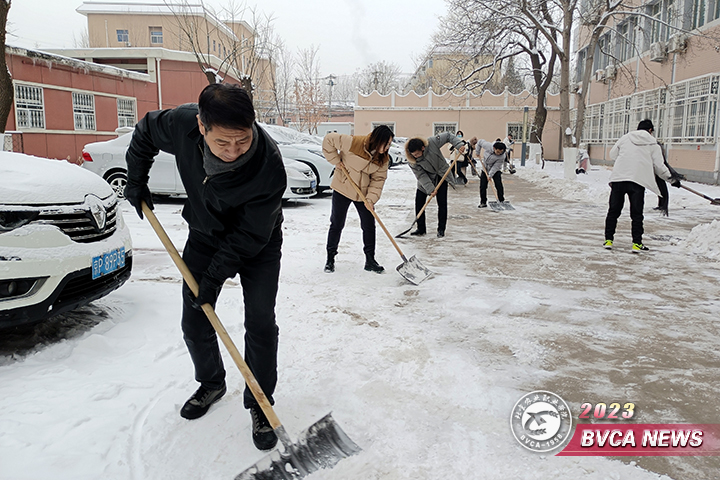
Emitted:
pixel 592 188
pixel 704 240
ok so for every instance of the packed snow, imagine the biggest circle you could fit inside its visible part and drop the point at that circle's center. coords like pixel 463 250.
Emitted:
pixel 423 377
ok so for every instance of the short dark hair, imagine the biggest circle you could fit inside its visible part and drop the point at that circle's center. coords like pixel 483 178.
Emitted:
pixel 459 132
pixel 499 146
pixel 225 105
pixel 415 145
pixel 646 125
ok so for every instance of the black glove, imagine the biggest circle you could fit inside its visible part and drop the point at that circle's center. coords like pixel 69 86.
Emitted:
pixel 208 292
pixel 675 182
pixel 135 193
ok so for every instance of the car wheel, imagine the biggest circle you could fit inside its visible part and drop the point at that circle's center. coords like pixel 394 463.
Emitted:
pixel 117 181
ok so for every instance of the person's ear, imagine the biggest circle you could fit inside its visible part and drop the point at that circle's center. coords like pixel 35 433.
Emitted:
pixel 200 126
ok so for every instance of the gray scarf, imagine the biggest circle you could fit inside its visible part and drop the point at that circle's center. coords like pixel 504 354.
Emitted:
pixel 213 165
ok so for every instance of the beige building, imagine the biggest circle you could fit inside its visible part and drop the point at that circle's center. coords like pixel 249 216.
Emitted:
pixel 663 65
pixel 487 116
pixel 442 69
pixel 222 44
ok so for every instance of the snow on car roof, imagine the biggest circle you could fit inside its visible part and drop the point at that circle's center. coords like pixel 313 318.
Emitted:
pixel 29 180
pixel 288 135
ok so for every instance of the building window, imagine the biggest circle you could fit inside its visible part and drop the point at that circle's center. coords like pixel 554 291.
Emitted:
pixel 439 128
pixel 699 7
pixel 516 130
pixel 390 125
pixel 84 111
pixel 29 107
pixel 126 112
pixel 156 36
pixel 580 66
pixel 602 52
pixel 214 45
pixel 625 40
pixel 123 36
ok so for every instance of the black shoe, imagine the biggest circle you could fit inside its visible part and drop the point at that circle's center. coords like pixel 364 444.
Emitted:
pixel 372 266
pixel 418 232
pixel 330 263
pixel 441 233
pixel 263 434
pixel 200 402
pixel 482 205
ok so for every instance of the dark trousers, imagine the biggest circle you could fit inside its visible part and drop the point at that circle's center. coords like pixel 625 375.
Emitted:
pixel 663 201
pixel 441 197
pixel 259 280
pixel 636 196
pixel 338 215
pixel 497 179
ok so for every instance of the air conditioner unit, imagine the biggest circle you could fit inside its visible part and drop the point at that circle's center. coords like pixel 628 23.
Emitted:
pixel 658 53
pixel 677 43
pixel 599 75
pixel 610 72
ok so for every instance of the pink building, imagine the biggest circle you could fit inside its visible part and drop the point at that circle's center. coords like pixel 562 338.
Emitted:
pixel 62 103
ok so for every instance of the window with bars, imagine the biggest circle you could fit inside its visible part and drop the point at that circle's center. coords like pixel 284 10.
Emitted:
pixel 156 36
pixel 29 107
pixel 390 125
pixel 439 128
pixel 681 113
pixel 123 36
pixel 126 112
pixel 625 40
pixel 84 111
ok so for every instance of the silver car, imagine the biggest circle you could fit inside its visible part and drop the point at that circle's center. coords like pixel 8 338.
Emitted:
pixel 107 159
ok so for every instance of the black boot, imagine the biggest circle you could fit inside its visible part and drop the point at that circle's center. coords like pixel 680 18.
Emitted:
pixel 263 434
pixel 330 263
pixel 371 265
pixel 418 232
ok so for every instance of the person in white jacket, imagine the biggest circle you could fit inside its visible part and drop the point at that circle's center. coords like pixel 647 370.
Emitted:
pixel 638 159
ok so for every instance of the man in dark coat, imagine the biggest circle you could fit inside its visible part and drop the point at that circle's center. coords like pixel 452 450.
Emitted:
pixel 234 177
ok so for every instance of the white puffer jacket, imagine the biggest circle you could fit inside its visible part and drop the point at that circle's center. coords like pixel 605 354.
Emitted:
pixel 638 159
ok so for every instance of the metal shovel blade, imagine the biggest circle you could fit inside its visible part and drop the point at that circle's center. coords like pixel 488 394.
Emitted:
pixel 500 206
pixel 506 205
pixel 322 445
pixel 413 271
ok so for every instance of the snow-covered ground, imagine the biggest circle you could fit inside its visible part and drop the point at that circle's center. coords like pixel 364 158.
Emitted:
pixel 423 377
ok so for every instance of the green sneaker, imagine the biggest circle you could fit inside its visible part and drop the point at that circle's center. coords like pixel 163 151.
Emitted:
pixel 639 247
pixel 608 244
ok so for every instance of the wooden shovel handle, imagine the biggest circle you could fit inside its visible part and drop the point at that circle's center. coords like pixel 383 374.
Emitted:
pixel 374 214
pixel 214 320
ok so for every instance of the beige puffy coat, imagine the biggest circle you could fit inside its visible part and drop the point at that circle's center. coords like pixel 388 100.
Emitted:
pixel 352 152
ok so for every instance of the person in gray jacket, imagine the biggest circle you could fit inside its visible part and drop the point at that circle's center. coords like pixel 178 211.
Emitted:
pixel 638 159
pixel 493 159
pixel 429 166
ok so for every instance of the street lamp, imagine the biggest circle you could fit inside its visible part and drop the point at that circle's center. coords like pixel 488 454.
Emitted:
pixel 331 83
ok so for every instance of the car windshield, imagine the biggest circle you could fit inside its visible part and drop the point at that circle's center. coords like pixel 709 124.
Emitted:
pixel 287 135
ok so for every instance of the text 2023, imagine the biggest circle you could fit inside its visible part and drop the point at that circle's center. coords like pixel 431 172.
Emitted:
pixel 613 412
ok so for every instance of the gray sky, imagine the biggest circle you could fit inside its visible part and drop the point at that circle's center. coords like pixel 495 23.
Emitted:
pixel 350 33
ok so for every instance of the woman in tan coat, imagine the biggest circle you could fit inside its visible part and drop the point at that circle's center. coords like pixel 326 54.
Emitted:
pixel 366 160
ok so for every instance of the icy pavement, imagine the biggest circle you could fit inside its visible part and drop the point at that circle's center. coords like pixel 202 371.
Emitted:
pixel 423 377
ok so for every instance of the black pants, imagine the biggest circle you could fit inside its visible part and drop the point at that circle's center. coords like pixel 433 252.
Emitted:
pixel 497 179
pixel 663 201
pixel 338 215
pixel 441 197
pixel 259 280
pixel 636 196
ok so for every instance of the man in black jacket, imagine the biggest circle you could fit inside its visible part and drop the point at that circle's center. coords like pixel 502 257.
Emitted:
pixel 234 177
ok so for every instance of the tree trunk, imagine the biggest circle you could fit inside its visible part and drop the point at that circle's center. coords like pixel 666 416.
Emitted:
pixel 246 83
pixel 6 85
pixel 565 76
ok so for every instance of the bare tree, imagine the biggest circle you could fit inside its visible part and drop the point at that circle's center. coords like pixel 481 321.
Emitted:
pixel 309 97
pixel 511 77
pixel 486 33
pixel 281 80
pixel 381 76
pixel 83 40
pixel 6 86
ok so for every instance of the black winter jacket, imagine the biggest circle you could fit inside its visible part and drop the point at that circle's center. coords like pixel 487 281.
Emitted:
pixel 240 209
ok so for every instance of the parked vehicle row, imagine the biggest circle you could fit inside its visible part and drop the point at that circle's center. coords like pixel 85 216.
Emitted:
pixel 63 241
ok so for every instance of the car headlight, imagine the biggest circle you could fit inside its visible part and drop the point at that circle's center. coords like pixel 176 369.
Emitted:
pixel 10 220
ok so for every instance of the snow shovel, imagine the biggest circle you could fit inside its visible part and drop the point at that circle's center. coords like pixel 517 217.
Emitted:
pixel 430 197
pixel 321 446
pixel 412 270
pixel 495 206
pixel 713 201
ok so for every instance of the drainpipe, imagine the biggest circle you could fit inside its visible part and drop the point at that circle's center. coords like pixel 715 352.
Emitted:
pixel 107 39
pixel 716 173
pixel 159 85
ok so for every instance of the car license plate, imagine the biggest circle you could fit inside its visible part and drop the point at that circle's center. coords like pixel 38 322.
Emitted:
pixel 313 184
pixel 108 262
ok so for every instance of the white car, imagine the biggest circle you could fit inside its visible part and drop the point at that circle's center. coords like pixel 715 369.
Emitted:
pixel 304 148
pixel 107 159
pixel 63 241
